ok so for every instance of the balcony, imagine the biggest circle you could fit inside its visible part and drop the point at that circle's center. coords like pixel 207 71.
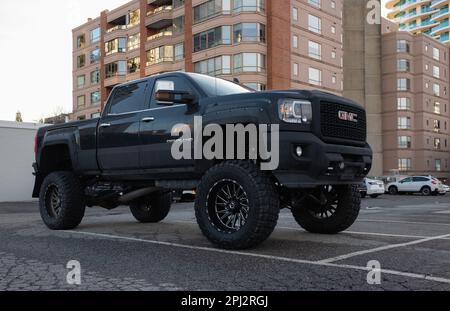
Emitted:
pixel 442 27
pixel 436 4
pixel 115 79
pixel 160 17
pixel 442 13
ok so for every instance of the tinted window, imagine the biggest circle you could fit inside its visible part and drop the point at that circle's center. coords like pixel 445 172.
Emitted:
pixel 218 87
pixel 170 84
pixel 420 179
pixel 409 179
pixel 128 98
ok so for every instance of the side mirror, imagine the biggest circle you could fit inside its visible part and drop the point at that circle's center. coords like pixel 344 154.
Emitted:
pixel 167 97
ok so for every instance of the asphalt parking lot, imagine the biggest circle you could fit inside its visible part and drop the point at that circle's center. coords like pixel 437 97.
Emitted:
pixel 408 235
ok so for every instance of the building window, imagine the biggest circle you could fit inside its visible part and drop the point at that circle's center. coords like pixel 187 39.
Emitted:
pixel 95 76
pixel 81 118
pixel 404 164
pixel 249 5
pixel 134 18
pixel 315 76
pixel 437 89
pixel 295 42
pixel 134 65
pixel 95 115
pixel 118 45
pixel 402 46
pixel 437 107
pixel 436 125
pixel 333 54
pixel 178 3
pixel 314 50
pixel 314 23
pixel 295 69
pixel 81 102
pixel 404 142
pixel 403 103
pixel 295 14
pixel 95 35
pixel 212 8
pixel 404 123
pixel 249 62
pixel 178 25
pixel 118 68
pixel 249 32
pixel 333 4
pixel 95 97
pixel 256 86
pixel 81 81
pixel 437 165
pixel 315 3
pixel 436 72
pixel 214 66
pixel 160 54
pixel 95 56
pixel 81 61
pixel 403 65
pixel 333 29
pixel 403 84
pixel 134 42
pixel 437 143
pixel 81 42
pixel 333 79
pixel 179 51
pixel 436 53
pixel 211 38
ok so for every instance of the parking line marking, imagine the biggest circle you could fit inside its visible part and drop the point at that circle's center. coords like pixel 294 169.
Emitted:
pixel 382 248
pixel 443 212
pixel 393 235
pixel 403 222
pixel 270 257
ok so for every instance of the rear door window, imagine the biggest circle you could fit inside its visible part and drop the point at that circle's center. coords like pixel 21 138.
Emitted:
pixel 128 98
pixel 420 179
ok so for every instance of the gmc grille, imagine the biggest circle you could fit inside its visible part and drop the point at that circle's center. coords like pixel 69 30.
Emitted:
pixel 333 127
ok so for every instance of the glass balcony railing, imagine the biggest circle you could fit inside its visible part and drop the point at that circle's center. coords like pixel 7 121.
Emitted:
pixel 164 8
pixel 165 33
pixel 444 37
pixel 441 12
pixel 441 25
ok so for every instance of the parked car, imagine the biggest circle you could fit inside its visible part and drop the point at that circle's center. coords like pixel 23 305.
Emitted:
pixel 446 188
pixel 373 188
pixel 426 185
pixel 125 158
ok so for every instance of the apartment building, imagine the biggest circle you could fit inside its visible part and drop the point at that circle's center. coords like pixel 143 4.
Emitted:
pixel 266 44
pixel 430 17
pixel 416 111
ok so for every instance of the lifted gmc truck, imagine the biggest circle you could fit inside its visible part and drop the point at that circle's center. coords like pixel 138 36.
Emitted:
pixel 125 158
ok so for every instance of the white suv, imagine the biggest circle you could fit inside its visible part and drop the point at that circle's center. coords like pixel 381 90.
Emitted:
pixel 374 188
pixel 426 185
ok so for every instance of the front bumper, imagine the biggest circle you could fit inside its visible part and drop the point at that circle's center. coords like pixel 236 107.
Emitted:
pixel 321 163
pixel 375 190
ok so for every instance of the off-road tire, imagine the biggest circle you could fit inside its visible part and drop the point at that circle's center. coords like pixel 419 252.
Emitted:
pixel 262 200
pixel 71 201
pixel 345 214
pixel 153 208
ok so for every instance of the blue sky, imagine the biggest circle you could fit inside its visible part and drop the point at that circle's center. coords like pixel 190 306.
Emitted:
pixel 36 54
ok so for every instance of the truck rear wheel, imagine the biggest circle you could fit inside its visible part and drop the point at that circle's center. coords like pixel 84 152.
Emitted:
pixel 153 208
pixel 237 205
pixel 61 201
pixel 330 209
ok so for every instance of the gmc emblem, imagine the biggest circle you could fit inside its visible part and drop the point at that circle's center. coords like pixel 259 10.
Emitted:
pixel 348 116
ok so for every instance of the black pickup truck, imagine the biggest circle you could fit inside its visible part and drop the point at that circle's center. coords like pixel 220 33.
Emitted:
pixel 125 158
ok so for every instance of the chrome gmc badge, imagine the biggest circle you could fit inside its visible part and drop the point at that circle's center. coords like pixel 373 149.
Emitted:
pixel 348 116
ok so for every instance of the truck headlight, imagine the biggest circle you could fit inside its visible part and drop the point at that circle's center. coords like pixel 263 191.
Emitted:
pixel 295 111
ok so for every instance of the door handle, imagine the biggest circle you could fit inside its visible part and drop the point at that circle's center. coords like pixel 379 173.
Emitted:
pixel 148 119
pixel 103 125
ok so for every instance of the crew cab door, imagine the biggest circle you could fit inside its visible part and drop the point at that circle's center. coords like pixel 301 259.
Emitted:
pixel 118 131
pixel 157 124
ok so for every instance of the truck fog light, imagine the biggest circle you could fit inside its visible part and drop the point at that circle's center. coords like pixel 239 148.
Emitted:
pixel 299 151
pixel 341 165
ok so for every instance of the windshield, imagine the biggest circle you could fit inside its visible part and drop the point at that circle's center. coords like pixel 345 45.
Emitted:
pixel 218 87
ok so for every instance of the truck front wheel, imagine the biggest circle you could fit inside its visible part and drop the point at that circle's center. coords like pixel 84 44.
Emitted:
pixel 328 209
pixel 61 201
pixel 153 208
pixel 237 205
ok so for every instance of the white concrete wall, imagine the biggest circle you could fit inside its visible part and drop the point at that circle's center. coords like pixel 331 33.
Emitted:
pixel 16 158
